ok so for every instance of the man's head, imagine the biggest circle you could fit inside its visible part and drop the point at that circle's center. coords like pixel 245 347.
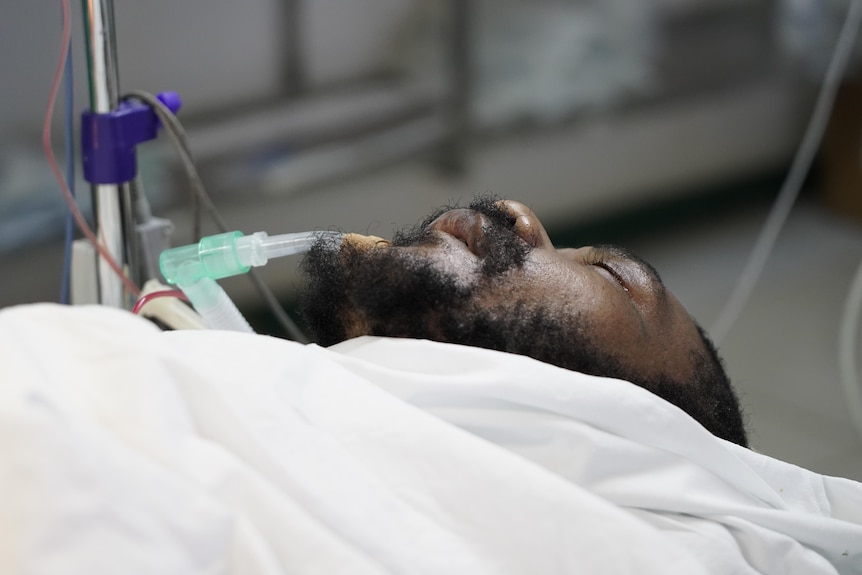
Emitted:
pixel 489 276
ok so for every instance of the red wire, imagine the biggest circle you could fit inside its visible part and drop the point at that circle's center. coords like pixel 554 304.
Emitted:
pixel 139 305
pixel 49 152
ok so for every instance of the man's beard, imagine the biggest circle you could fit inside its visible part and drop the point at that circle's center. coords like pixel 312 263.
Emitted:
pixel 353 291
pixel 391 292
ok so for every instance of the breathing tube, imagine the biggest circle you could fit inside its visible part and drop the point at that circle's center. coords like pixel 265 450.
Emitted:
pixel 194 268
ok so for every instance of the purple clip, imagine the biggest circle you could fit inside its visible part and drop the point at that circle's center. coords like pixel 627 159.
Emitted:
pixel 108 140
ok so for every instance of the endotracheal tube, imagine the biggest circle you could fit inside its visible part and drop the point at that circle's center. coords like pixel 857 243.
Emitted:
pixel 194 268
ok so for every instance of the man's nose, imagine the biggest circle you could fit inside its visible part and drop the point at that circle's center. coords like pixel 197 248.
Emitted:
pixel 527 224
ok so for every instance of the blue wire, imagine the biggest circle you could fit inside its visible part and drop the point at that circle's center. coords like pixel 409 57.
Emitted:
pixel 70 177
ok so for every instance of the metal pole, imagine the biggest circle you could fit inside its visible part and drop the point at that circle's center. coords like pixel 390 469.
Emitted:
pixel 109 200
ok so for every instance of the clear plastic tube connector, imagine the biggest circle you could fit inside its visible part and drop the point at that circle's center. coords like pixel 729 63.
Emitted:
pixel 194 268
pixel 258 248
pixel 231 253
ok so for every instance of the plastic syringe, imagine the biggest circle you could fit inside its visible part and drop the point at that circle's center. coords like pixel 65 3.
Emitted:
pixel 194 268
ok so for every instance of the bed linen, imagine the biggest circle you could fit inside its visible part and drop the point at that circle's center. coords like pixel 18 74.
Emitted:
pixel 128 449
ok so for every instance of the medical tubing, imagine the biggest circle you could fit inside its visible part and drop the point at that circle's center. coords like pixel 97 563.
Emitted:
pixel 52 160
pixel 847 346
pixel 229 254
pixel 69 233
pixel 147 298
pixel 258 248
pixel 195 267
pixel 215 306
pixel 178 137
pixel 174 130
pixel 795 178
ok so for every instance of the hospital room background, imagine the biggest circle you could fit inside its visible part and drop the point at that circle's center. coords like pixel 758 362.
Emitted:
pixel 666 126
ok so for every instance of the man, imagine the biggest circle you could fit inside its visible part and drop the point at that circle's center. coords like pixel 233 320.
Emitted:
pixel 489 276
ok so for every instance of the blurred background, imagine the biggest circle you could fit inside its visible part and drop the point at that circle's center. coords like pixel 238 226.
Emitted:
pixel 666 126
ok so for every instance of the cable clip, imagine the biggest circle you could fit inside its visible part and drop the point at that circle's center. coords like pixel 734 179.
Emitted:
pixel 108 140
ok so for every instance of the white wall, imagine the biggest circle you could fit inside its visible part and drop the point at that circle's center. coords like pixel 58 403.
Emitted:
pixel 344 39
pixel 213 52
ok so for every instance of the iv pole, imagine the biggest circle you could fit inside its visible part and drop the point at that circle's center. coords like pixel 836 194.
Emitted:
pixel 112 202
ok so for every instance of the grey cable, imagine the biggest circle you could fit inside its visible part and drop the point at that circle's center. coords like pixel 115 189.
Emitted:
pixel 793 183
pixel 178 137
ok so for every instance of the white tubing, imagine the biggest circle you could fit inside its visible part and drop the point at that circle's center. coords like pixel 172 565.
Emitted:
pixel 847 348
pixel 795 178
pixel 215 306
pixel 258 248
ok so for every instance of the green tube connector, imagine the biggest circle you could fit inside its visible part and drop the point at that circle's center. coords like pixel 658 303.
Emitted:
pixel 232 253
pixel 214 257
pixel 194 269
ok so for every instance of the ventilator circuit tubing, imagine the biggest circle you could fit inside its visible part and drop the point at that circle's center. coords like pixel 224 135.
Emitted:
pixel 194 269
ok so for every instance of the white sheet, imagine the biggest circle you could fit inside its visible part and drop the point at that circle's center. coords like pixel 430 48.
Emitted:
pixel 125 449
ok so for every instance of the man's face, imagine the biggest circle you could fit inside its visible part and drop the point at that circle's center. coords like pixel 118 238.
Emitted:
pixel 489 276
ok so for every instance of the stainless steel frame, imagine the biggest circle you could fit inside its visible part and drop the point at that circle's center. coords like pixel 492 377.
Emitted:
pixel 112 203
